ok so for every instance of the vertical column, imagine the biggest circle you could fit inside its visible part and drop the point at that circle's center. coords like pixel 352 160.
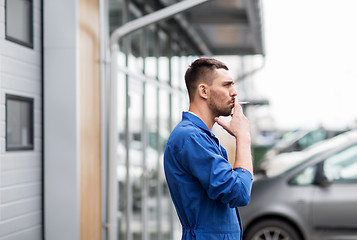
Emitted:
pixel 90 122
pixel 145 178
pixel 61 121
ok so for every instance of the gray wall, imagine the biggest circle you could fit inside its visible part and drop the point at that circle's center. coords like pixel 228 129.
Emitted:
pixel 20 171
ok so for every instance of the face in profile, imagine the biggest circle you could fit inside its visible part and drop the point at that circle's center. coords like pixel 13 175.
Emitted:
pixel 222 93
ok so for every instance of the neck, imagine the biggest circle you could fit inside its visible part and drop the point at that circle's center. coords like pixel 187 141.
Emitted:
pixel 204 114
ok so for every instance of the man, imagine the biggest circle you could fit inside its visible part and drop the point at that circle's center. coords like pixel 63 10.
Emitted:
pixel 204 187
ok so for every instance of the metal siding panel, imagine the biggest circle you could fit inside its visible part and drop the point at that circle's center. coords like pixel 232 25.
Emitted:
pixel 16 162
pixel 2 127
pixel 28 234
pixel 19 86
pixel 11 178
pixel 19 224
pixel 2 94
pixel 2 16
pixel 15 55
pixel 20 192
pixel 20 68
pixel 37 131
pixel 37 43
pixel 2 145
pixel 21 171
pixel 2 113
pixel 37 115
pixel 2 29
pixel 17 209
pixel 26 55
pixel 38 145
pixel 36 18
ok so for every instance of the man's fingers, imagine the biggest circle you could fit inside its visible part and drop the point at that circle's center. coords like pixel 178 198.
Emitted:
pixel 237 107
pixel 221 122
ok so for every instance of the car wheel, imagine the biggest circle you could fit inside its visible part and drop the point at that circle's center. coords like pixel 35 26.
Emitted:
pixel 272 229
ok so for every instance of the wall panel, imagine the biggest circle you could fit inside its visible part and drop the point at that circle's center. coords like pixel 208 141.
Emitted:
pixel 21 171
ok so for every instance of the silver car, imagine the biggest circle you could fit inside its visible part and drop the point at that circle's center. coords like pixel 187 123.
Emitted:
pixel 313 198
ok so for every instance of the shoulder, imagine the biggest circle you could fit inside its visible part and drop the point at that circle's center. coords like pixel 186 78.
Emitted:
pixel 187 130
pixel 184 132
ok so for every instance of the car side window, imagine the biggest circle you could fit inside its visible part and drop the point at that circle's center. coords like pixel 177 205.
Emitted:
pixel 342 166
pixel 312 138
pixel 305 177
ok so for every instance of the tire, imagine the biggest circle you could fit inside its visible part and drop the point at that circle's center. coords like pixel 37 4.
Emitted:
pixel 271 229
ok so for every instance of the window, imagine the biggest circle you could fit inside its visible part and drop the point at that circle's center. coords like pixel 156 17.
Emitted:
pixel 19 123
pixel 312 138
pixel 342 166
pixel 306 177
pixel 19 22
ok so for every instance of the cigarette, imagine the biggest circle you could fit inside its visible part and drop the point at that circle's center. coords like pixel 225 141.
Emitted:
pixel 243 103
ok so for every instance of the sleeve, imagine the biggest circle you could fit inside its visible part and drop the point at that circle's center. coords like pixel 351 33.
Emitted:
pixel 205 162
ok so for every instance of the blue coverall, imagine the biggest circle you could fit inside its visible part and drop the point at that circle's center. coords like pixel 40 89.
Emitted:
pixel 203 186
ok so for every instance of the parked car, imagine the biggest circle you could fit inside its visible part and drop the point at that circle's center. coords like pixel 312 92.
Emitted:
pixel 296 141
pixel 313 198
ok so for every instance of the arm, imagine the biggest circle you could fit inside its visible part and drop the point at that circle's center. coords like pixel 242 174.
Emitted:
pixel 239 128
pixel 203 160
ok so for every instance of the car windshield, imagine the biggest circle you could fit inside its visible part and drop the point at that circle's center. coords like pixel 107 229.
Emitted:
pixel 307 154
pixel 288 138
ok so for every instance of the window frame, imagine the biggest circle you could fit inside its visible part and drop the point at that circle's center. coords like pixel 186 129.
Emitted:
pixel 31 118
pixel 14 39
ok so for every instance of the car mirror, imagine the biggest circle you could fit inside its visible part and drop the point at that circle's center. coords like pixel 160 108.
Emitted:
pixel 322 181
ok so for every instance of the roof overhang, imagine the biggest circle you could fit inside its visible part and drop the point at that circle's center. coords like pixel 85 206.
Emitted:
pixel 229 27
pixel 217 27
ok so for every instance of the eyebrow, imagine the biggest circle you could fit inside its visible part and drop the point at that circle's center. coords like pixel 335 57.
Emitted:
pixel 226 82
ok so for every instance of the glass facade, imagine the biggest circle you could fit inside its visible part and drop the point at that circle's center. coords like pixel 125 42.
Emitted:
pixel 151 97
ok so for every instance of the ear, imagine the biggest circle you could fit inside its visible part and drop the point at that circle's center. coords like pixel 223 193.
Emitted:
pixel 203 90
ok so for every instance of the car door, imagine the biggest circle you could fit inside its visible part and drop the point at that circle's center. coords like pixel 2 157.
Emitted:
pixel 334 207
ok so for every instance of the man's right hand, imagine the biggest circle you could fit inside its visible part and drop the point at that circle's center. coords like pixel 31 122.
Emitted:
pixel 239 125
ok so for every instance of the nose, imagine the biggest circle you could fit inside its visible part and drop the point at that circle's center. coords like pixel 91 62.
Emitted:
pixel 233 92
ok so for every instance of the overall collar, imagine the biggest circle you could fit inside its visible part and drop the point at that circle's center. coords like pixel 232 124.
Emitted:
pixel 199 123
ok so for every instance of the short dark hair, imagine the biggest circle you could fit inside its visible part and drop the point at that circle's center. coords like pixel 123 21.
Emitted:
pixel 199 71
